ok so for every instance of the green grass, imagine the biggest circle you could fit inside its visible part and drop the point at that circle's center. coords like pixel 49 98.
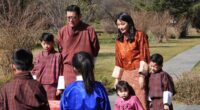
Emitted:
pixel 196 67
pixel 106 59
pixel 174 46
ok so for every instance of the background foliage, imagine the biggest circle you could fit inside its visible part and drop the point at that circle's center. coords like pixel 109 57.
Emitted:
pixel 23 21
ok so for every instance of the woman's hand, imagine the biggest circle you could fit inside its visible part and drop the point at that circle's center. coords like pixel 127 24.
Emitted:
pixel 142 81
pixel 115 83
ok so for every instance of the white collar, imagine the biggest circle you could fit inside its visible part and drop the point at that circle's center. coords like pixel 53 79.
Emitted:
pixel 79 78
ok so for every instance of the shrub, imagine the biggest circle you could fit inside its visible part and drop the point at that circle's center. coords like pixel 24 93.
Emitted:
pixel 20 23
pixel 108 26
pixel 4 79
pixel 176 27
pixel 188 89
pixel 156 22
pixel 12 39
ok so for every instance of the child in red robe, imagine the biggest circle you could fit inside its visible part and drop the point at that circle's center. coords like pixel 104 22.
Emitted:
pixel 161 86
pixel 48 67
pixel 23 92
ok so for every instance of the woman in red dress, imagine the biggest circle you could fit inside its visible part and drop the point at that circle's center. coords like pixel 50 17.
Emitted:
pixel 132 56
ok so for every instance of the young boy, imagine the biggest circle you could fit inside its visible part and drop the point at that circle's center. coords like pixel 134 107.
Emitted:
pixel 23 93
pixel 161 86
pixel 48 67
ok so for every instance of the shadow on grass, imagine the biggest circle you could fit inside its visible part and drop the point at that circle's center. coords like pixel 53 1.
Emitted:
pixel 191 37
pixel 164 46
pixel 107 54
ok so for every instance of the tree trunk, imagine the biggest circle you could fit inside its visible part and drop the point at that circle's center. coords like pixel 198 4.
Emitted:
pixel 184 31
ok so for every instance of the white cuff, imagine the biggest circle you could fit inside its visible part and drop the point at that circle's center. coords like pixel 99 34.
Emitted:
pixel 34 77
pixel 167 97
pixel 143 67
pixel 79 78
pixel 61 82
pixel 149 98
pixel 117 72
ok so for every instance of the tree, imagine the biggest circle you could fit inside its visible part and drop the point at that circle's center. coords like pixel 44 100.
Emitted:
pixel 196 15
pixel 20 22
pixel 184 8
pixel 178 9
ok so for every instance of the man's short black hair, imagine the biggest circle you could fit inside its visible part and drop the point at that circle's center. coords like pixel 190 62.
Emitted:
pixel 47 37
pixel 157 58
pixel 74 8
pixel 23 59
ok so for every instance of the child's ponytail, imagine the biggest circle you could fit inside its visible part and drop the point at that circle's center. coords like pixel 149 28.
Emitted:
pixel 83 63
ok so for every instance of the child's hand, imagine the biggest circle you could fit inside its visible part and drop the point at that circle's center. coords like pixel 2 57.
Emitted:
pixel 58 92
pixel 166 107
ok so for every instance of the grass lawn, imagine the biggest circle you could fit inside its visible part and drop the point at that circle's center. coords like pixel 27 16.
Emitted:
pixel 106 59
pixel 197 67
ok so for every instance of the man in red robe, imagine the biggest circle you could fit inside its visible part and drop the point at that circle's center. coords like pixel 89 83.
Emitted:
pixel 74 37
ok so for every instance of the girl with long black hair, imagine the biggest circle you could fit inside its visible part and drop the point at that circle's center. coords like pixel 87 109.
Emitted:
pixel 85 93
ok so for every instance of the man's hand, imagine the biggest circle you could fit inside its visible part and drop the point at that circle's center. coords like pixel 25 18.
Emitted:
pixel 58 92
pixel 166 107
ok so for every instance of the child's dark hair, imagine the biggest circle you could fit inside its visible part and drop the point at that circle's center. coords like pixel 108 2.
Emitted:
pixel 157 58
pixel 48 37
pixel 23 59
pixel 83 62
pixel 124 86
pixel 74 8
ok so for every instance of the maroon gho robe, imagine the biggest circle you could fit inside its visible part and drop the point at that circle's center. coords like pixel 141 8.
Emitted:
pixel 72 40
pixel 23 93
pixel 158 83
pixel 48 68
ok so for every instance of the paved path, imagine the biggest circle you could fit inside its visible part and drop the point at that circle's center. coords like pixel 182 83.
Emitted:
pixel 179 64
pixel 183 62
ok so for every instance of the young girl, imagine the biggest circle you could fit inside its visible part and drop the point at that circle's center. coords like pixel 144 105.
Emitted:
pixel 126 99
pixel 85 93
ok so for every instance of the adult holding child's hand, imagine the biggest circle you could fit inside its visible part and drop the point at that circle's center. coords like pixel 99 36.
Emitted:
pixel 131 55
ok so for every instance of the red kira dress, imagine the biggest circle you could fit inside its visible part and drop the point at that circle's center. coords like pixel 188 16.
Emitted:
pixel 132 58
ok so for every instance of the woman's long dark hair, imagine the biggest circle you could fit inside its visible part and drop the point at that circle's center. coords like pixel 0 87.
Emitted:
pixel 83 62
pixel 131 33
